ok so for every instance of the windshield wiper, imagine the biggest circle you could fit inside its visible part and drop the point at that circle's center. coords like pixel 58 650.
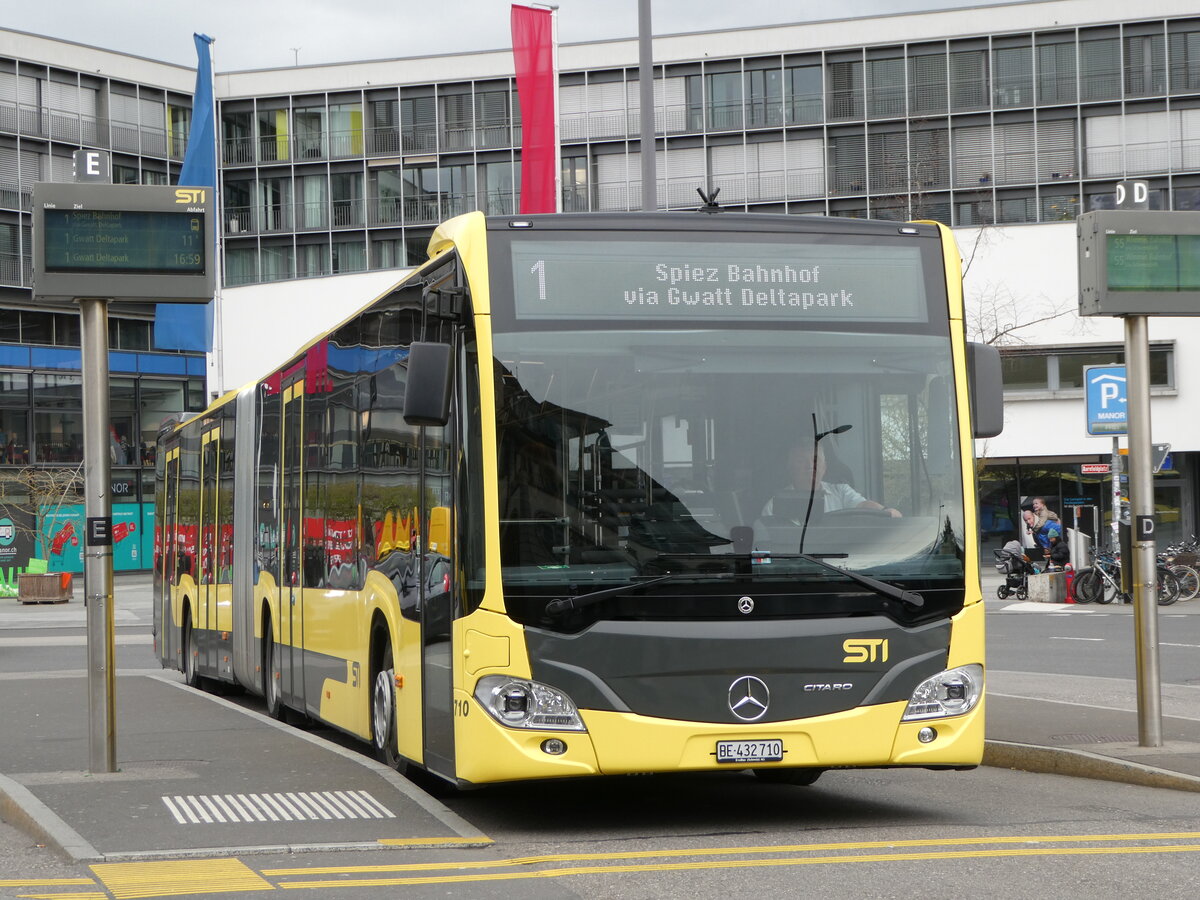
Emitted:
pixel 566 604
pixel 891 591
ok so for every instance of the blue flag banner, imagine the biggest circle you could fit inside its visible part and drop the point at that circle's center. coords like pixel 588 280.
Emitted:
pixel 189 326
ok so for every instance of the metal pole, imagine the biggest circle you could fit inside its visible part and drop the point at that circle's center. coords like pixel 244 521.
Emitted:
pixel 1116 470
pixel 1141 503
pixel 646 98
pixel 98 560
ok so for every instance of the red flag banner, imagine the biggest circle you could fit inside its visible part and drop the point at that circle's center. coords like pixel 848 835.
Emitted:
pixel 533 57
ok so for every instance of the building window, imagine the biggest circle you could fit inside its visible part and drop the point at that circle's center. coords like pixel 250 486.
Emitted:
pixel 1185 61
pixel 1145 65
pixel 968 80
pixel 846 90
pixel 885 88
pixel 1099 70
pixel 1041 369
pixel 927 83
pixel 1056 72
pixel 804 95
pixel 1012 76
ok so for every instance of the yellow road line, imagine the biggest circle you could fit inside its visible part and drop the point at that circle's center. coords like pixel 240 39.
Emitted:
pixel 729 851
pixel 740 863
pixel 437 841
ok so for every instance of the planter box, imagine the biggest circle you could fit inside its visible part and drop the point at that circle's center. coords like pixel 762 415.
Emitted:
pixel 54 587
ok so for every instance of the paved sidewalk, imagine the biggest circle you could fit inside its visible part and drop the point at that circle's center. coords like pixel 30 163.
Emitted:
pixel 201 775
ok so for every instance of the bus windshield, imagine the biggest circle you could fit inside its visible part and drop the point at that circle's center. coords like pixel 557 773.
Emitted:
pixel 712 453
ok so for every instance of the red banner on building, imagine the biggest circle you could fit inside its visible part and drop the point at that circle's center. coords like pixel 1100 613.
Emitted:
pixel 533 57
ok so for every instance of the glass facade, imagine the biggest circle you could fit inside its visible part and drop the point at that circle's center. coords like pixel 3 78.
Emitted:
pixel 975 130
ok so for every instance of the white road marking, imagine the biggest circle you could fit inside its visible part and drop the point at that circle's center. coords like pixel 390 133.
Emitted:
pixel 290 807
pixel 1057 638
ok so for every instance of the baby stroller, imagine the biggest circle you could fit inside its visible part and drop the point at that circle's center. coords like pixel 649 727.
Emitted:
pixel 1016 566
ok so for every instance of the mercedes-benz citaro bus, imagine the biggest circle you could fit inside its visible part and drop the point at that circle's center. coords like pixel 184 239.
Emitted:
pixel 594 494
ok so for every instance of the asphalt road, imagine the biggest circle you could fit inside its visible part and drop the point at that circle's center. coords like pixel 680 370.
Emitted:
pixel 990 832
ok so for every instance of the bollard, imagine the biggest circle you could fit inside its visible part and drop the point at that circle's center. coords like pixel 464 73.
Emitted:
pixel 1070 573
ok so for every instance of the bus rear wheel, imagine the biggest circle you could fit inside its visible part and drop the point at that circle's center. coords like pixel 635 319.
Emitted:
pixel 272 690
pixel 799 777
pixel 190 678
pixel 383 712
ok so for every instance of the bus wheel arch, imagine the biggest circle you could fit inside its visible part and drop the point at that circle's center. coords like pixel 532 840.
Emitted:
pixel 383 694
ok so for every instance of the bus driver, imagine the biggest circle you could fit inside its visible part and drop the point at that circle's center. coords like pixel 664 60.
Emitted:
pixel 836 495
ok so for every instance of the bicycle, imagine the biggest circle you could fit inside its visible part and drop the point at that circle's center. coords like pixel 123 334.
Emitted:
pixel 1101 583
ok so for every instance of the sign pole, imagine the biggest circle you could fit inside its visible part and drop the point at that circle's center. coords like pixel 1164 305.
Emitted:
pixel 1117 469
pixel 1141 504
pixel 98 559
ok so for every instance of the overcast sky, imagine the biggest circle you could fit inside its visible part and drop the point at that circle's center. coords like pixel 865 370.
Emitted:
pixel 260 34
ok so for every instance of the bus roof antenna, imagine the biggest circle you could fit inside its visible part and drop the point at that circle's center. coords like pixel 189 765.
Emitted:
pixel 710 200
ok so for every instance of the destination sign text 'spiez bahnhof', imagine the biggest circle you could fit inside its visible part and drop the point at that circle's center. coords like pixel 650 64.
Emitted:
pixel 669 279
pixel 125 242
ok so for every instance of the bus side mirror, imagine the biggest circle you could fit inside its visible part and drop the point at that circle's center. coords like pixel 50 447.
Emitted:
pixel 986 383
pixel 427 388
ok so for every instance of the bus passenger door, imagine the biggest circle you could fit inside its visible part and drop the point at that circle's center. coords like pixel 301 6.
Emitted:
pixel 291 606
pixel 434 559
pixel 206 590
pixel 168 564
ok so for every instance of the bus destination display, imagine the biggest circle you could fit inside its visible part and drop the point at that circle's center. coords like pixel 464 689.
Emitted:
pixel 124 241
pixel 1153 262
pixel 731 281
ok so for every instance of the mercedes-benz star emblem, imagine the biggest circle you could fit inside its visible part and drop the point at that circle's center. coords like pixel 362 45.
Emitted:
pixel 749 698
pixel 746 606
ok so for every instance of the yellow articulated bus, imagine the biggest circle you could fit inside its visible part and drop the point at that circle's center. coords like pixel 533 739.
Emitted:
pixel 601 494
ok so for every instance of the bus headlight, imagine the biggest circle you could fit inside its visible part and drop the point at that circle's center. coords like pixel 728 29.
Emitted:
pixel 949 693
pixel 518 703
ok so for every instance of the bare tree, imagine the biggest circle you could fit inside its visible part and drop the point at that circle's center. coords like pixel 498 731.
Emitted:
pixel 37 493
pixel 994 315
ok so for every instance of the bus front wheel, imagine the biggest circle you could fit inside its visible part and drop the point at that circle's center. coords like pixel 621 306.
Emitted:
pixel 383 712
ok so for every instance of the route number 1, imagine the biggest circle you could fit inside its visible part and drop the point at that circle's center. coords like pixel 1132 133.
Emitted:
pixel 539 269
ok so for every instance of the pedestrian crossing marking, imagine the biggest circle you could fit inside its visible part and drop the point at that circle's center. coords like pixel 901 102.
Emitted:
pixel 290 806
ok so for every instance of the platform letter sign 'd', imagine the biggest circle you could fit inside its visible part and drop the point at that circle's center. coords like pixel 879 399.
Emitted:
pixel 1106 406
pixel 1145 528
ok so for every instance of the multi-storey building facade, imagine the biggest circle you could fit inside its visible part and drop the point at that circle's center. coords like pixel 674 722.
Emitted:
pixel 1011 115
pixel 1022 113
pixel 56 98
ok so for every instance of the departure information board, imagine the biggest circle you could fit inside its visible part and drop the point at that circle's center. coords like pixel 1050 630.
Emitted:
pixel 1153 262
pixel 710 278
pixel 1139 262
pixel 124 241
pixel 152 243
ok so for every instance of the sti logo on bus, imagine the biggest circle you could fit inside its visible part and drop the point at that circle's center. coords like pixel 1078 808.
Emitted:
pixel 861 650
pixel 190 195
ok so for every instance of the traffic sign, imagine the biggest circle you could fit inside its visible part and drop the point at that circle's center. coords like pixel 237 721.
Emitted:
pixel 1106 405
